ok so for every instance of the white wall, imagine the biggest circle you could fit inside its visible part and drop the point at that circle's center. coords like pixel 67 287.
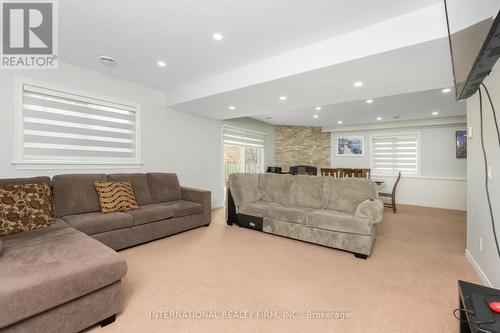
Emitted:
pixel 171 141
pixel 479 225
pixel 441 180
pixel 259 126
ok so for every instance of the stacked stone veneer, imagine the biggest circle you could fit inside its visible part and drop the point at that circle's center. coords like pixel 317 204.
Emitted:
pixel 301 145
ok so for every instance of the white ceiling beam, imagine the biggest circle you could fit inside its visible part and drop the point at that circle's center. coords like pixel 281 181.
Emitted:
pixel 416 27
pixel 459 121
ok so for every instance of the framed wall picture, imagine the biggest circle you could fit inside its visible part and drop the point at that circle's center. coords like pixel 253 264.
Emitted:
pixel 461 143
pixel 350 146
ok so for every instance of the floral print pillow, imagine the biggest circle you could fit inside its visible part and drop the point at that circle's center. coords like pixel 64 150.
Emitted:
pixel 25 207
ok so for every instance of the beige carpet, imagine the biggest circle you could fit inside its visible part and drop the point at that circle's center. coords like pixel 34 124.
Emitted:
pixel 409 284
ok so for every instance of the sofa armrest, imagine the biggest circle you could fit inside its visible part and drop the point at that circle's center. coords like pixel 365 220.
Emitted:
pixel 371 209
pixel 200 196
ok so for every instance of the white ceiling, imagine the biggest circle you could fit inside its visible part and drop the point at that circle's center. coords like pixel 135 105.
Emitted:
pixel 411 106
pixel 415 68
pixel 138 33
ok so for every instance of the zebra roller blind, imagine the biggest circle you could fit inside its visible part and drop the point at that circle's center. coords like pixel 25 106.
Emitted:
pixel 64 127
pixel 241 137
pixel 391 154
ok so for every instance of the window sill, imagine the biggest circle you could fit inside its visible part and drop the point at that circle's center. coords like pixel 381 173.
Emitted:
pixel 58 165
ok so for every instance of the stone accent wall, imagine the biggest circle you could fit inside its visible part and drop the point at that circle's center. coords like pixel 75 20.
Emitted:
pixel 301 145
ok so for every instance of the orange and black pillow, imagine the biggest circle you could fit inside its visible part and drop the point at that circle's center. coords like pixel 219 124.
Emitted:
pixel 115 196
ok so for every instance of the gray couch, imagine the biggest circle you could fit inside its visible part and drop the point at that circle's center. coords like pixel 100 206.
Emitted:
pixel 340 213
pixel 64 278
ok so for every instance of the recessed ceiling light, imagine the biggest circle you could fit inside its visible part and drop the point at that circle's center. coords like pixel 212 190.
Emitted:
pixel 369 101
pixel 232 107
pixel 379 118
pixel 217 36
pixel 162 63
pixel 315 116
pixel 435 113
pixel 340 122
pixel 282 98
pixel 358 84
pixel 318 108
pixel 446 90
pixel 107 59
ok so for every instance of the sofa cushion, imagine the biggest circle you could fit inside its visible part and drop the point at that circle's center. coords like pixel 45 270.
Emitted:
pixel 75 194
pixel 258 208
pixel 338 221
pixel 164 187
pixel 184 208
pixel 115 196
pixel 139 183
pixel 274 187
pixel 97 222
pixel 151 213
pixel 44 268
pixel 307 191
pixel 24 207
pixel 289 214
pixel 345 194
pixel 244 188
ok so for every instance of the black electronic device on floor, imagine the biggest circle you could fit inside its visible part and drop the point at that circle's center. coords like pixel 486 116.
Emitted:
pixel 475 312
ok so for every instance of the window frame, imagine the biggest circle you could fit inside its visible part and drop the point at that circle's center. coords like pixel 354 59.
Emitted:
pixel 20 163
pixel 394 174
pixel 262 150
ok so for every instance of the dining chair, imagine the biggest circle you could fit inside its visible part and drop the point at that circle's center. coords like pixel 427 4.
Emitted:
pixel 328 172
pixel 358 173
pixel 391 195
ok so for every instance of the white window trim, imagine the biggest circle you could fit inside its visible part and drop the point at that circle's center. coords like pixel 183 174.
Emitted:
pixel 419 155
pixel 21 164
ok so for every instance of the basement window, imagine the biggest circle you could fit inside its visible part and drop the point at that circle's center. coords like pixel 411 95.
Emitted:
pixel 62 129
pixel 393 153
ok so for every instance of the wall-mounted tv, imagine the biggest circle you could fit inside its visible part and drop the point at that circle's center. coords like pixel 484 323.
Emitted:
pixel 474 34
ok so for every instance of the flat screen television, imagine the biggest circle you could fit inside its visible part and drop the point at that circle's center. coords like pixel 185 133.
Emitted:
pixel 474 35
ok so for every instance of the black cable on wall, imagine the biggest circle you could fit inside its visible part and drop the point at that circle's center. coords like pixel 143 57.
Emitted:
pixel 492 217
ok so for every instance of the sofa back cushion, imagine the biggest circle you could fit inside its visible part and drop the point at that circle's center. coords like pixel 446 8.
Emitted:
pixel 164 187
pixel 307 191
pixel 76 194
pixel 244 188
pixel 275 188
pixel 139 183
pixel 345 194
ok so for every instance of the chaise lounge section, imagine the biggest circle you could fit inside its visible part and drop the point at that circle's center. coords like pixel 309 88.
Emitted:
pixel 340 213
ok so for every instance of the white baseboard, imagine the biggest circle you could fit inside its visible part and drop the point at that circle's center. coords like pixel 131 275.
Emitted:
pixel 478 269
pixel 431 204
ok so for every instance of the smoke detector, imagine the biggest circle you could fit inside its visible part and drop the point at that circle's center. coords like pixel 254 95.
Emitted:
pixel 107 60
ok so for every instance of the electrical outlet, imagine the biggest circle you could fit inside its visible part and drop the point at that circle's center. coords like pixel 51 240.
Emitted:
pixel 489 173
pixel 470 132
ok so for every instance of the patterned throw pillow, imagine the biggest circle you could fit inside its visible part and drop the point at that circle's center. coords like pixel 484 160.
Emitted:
pixel 25 207
pixel 115 196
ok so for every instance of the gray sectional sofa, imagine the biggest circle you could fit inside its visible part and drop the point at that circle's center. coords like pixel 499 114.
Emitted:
pixel 340 213
pixel 67 277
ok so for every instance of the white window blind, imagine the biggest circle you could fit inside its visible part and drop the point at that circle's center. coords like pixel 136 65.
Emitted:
pixel 237 136
pixel 63 127
pixel 391 154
